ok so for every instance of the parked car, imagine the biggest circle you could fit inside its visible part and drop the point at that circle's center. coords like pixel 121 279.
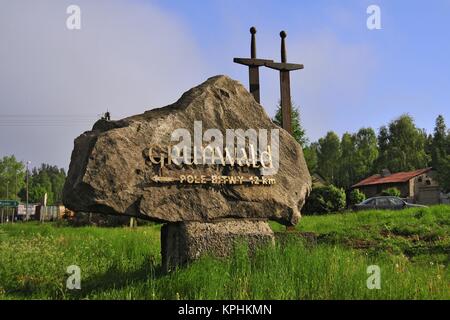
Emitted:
pixel 385 203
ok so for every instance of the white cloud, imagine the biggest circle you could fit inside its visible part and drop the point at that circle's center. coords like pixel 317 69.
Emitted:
pixel 128 57
pixel 132 56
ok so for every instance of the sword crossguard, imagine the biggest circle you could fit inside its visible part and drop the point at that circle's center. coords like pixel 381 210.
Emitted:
pixel 283 65
pixel 252 61
pixel 280 66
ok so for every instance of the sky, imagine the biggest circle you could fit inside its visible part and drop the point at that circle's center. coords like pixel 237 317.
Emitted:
pixel 135 55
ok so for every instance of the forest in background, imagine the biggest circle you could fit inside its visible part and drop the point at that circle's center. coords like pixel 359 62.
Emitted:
pixel 398 146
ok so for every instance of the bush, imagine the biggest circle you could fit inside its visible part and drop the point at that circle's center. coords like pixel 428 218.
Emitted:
pixel 325 200
pixel 356 197
pixel 394 192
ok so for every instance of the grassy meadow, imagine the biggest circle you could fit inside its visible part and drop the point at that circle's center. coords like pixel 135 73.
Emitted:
pixel 411 247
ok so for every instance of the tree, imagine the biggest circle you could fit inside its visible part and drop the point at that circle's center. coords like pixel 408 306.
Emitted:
pixel 12 175
pixel 401 146
pixel 48 180
pixel 347 163
pixel 444 174
pixel 440 153
pixel 310 153
pixel 325 200
pixel 297 130
pixel 355 196
pixel 328 156
pixel 366 152
pixel 439 143
pixel 358 154
pixel 383 144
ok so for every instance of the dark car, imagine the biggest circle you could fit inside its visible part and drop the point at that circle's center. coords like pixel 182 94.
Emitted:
pixel 385 203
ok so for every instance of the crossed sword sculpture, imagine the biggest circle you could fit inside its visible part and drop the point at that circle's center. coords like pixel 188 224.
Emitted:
pixel 285 83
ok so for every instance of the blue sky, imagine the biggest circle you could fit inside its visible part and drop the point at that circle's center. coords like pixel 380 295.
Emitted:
pixel 131 56
pixel 408 65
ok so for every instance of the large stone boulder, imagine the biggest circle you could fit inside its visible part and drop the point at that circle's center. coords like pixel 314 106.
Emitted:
pixel 110 170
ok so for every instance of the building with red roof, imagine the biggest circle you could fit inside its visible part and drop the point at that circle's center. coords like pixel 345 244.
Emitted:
pixel 418 186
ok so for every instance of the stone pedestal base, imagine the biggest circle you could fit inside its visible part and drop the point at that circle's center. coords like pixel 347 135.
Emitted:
pixel 186 241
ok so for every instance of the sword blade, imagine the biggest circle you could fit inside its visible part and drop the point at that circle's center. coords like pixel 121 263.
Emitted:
pixel 253 73
pixel 286 106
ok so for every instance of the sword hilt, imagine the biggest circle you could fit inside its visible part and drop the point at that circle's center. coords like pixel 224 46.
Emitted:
pixel 283 65
pixel 253 43
pixel 283 47
pixel 252 61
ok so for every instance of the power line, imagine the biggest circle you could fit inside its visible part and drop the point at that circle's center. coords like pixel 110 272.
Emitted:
pixel 50 120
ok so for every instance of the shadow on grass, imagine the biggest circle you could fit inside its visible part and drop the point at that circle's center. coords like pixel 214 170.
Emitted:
pixel 117 278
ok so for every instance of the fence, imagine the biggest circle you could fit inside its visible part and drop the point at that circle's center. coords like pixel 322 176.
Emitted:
pixel 49 213
pixel 8 214
pixel 34 212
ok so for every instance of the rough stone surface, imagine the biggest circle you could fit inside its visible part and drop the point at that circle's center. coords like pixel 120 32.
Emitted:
pixel 186 241
pixel 98 219
pixel 109 172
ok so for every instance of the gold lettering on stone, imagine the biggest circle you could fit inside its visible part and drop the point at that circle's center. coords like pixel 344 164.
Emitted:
pixel 215 180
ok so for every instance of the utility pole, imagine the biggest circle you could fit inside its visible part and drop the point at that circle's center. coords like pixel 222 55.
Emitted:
pixel 7 190
pixel 27 214
pixel 15 193
pixel 15 185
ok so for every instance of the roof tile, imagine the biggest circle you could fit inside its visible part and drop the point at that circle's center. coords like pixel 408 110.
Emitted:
pixel 393 178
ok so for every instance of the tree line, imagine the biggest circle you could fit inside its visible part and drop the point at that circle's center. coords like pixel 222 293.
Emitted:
pixel 398 146
pixel 46 179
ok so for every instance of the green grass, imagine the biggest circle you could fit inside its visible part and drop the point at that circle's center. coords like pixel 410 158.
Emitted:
pixel 416 233
pixel 412 248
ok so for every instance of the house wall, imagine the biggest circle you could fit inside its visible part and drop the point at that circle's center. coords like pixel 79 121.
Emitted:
pixel 423 189
pixel 369 191
pixel 405 189
pixel 426 188
pixel 376 190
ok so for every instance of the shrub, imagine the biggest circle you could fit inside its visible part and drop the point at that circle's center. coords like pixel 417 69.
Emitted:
pixel 355 196
pixel 325 200
pixel 391 192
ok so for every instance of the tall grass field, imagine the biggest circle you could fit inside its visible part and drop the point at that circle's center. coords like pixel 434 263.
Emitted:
pixel 410 247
